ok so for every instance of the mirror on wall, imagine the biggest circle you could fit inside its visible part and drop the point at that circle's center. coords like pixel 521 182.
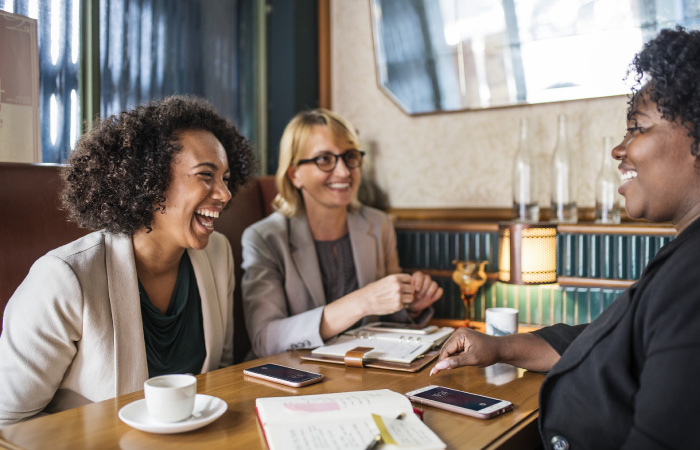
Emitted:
pixel 447 55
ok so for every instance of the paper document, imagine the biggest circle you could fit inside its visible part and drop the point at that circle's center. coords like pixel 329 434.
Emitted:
pixel 343 421
pixel 391 347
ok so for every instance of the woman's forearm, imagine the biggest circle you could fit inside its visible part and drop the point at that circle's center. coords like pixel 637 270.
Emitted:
pixel 528 351
pixel 340 315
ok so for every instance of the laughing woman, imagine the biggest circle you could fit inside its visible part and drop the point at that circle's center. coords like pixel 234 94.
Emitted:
pixel 151 292
pixel 629 379
pixel 323 262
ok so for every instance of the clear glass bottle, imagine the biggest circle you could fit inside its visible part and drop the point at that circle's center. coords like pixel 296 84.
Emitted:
pixel 525 181
pixel 563 179
pixel 607 200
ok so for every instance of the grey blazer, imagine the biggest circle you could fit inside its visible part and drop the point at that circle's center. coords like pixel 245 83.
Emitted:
pixel 283 296
pixel 72 331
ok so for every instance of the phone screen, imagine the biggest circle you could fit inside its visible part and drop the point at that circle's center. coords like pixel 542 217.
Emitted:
pixel 458 398
pixel 283 373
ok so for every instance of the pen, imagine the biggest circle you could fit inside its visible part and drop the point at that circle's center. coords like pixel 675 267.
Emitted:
pixel 376 440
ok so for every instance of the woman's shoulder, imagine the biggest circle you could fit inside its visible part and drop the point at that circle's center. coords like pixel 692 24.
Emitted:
pixel 273 224
pixel 82 247
pixel 373 215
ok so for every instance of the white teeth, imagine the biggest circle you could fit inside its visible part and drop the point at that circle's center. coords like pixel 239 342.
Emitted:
pixel 339 185
pixel 207 213
pixel 629 175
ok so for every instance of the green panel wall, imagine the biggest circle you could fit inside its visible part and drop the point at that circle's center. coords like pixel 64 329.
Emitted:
pixel 580 255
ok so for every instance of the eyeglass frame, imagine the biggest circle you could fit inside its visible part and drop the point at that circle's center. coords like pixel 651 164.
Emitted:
pixel 335 163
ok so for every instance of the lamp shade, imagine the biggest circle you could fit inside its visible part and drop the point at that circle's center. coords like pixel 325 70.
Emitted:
pixel 527 253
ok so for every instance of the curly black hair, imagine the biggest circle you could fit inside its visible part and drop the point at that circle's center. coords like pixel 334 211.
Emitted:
pixel 116 177
pixel 668 70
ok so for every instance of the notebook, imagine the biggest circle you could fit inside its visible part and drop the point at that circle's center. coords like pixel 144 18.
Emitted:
pixel 345 420
pixel 390 347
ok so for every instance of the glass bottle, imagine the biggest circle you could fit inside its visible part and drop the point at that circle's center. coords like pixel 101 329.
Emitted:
pixel 525 181
pixel 563 179
pixel 607 200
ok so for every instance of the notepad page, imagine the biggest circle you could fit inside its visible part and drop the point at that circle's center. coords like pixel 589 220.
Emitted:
pixel 385 350
pixel 343 421
pixel 437 337
pixel 341 405
pixel 352 434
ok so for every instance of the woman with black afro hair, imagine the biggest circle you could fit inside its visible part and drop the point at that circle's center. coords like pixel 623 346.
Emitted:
pixel 629 379
pixel 151 291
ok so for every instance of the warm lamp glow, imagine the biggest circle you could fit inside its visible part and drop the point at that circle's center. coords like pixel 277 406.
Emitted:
pixel 527 253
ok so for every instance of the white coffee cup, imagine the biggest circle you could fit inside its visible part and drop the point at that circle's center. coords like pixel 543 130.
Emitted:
pixel 501 321
pixel 170 398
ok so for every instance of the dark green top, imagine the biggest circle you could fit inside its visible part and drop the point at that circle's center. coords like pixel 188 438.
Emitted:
pixel 175 340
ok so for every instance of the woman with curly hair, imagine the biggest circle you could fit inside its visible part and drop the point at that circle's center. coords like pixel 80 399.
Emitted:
pixel 323 263
pixel 151 292
pixel 629 379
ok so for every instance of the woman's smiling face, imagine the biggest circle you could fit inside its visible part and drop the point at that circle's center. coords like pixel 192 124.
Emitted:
pixel 325 190
pixel 659 172
pixel 197 193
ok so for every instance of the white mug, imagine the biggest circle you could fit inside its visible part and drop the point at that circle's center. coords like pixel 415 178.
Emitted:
pixel 501 321
pixel 170 398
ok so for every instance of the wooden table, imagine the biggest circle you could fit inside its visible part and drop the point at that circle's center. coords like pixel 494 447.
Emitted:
pixel 98 426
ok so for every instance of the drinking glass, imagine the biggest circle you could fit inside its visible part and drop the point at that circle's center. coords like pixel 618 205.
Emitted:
pixel 469 276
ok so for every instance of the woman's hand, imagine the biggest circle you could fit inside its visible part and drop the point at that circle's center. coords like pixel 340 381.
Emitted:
pixel 387 295
pixel 426 292
pixel 467 347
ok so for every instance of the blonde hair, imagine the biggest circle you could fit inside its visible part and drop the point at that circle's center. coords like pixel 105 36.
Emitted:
pixel 289 201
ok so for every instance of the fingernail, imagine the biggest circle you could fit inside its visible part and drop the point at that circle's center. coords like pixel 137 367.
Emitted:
pixel 432 371
pixel 442 365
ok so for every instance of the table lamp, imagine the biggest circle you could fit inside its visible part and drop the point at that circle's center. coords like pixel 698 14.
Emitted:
pixel 527 253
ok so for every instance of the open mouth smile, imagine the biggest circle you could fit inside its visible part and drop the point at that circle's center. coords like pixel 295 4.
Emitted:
pixel 206 217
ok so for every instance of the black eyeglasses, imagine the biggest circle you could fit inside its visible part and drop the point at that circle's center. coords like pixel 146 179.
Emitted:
pixel 328 161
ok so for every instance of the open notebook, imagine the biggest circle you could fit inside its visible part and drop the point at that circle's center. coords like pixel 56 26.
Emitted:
pixel 391 347
pixel 346 420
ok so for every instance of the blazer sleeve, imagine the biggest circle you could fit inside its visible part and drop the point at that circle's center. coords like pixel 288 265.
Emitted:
pixel 560 335
pixel 41 329
pixel 227 352
pixel 270 326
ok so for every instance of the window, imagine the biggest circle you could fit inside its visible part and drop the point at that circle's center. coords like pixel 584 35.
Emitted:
pixel 148 49
pixel 59 45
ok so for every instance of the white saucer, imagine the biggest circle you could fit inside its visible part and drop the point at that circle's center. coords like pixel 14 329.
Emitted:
pixel 206 410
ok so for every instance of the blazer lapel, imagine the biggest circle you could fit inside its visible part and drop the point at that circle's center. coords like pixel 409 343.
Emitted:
pixel 364 248
pixel 213 328
pixel 130 366
pixel 303 251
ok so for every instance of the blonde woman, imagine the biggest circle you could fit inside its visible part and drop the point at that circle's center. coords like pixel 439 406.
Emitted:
pixel 323 263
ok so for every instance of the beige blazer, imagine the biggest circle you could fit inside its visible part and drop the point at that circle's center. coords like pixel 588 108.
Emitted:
pixel 72 331
pixel 283 296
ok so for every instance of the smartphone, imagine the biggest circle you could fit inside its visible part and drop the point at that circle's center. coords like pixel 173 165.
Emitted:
pixel 284 375
pixel 393 327
pixel 460 402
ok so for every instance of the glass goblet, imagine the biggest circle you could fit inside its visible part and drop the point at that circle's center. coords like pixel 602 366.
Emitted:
pixel 469 276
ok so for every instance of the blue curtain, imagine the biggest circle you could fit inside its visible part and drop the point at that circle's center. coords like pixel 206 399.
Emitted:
pixel 155 48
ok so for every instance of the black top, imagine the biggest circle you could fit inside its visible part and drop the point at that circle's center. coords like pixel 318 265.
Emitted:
pixel 630 378
pixel 175 340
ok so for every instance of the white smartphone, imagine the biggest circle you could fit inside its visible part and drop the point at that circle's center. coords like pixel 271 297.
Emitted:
pixel 460 402
pixel 284 375
pixel 394 327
